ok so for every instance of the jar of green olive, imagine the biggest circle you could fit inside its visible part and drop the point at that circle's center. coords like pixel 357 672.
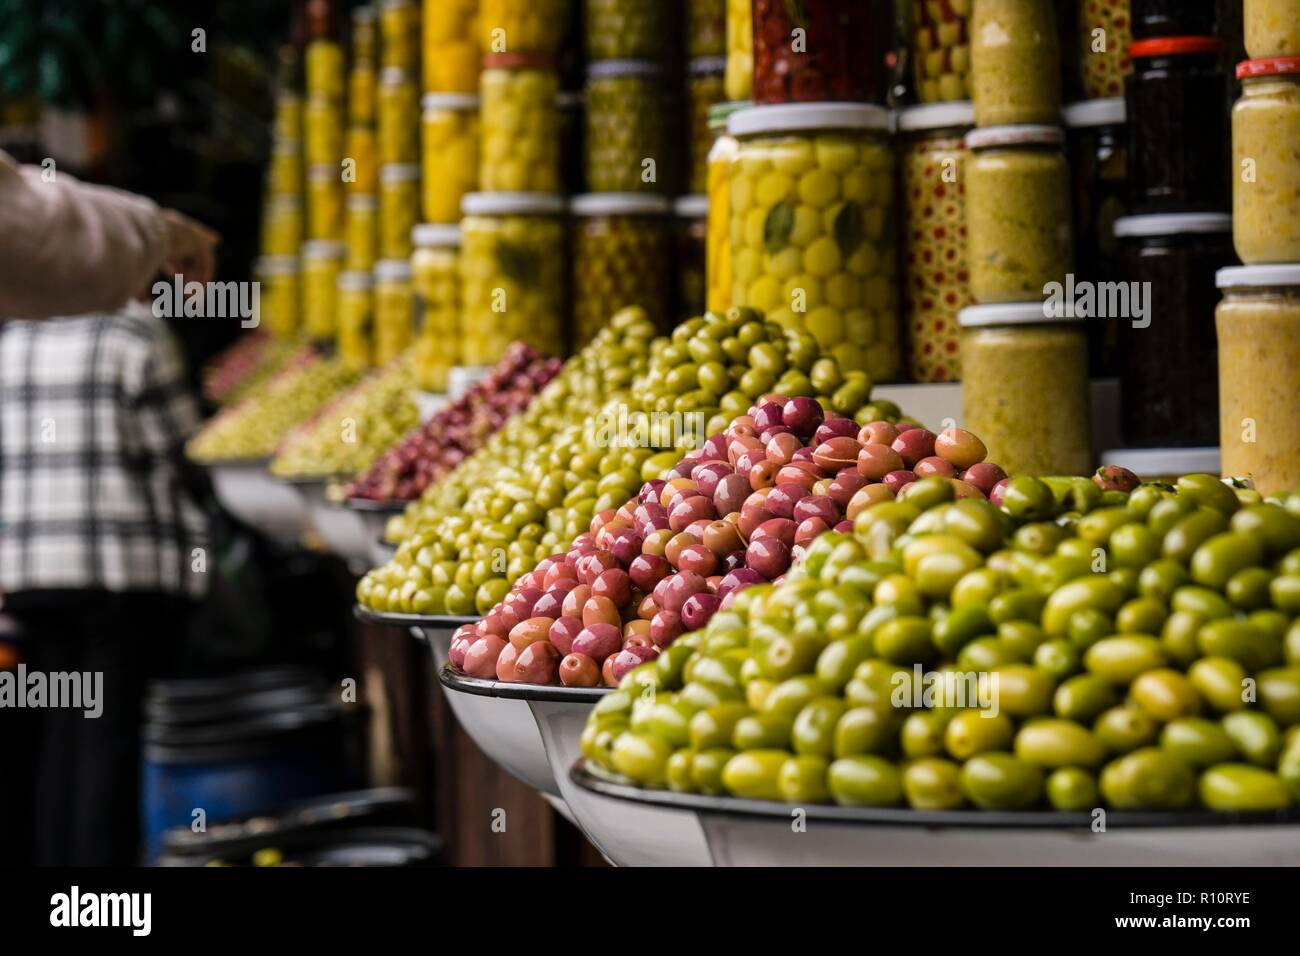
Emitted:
pixel 513 274
pixel 812 227
pixel 1025 388
pixel 280 294
pixel 519 150
pixel 1018 214
pixel 628 29
pixel 322 261
pixel 356 295
pixel 395 320
pixel 627 142
pixel 435 276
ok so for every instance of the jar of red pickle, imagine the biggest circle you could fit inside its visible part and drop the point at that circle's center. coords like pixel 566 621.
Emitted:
pixel 820 50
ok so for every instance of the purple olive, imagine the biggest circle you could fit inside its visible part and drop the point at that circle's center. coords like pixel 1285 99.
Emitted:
pixel 707 476
pixel 896 481
pixel 731 493
pixel 598 641
pixel 698 609
pixel 630 658
pixel 803 415
pixel 768 415
pixel 738 579
pixel 998 492
pixel 782 499
pixel 647 570
pixel 769 556
pixel 914 444
pixel 782 529
pixel 983 476
pixel 835 428
pixel 816 506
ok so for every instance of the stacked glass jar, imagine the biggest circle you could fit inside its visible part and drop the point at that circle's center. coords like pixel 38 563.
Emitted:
pixel 323 125
pixel 354 286
pixel 282 214
pixel 941 51
pixel 435 276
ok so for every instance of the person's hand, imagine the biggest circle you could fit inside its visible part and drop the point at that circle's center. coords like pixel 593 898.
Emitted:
pixel 191 248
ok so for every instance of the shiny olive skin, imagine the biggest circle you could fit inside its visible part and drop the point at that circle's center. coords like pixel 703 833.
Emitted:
pixel 923 733
pixel 1084 697
pixel 863 730
pixel 1072 789
pixel 1122 658
pixel 973 731
pixel 1255 735
pixel 755 774
pixel 1122 729
pixel 1279 694
pixel 1053 743
pixel 1148 779
pixel 865 780
pixel 1197 742
pixel 1242 788
pixel 706 770
pixel 803 779
pixel 932 783
pixel 1001 781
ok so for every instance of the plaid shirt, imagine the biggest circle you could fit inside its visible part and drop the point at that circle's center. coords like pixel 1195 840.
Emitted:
pixel 93 413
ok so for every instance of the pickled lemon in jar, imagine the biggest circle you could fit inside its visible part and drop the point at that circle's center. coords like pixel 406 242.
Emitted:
pixel 740 49
pixel 398 117
pixel 322 261
pixel 362 234
pixel 323 63
pixel 363 85
pixel 436 278
pixel 451 46
pixel 628 141
pixel 356 293
pixel 399 201
pixel 941 50
pixel 621 257
pixel 812 227
pixel 520 125
pixel 394 310
pixel 399 32
pixel 285 175
pixel 360 148
pixel 1015 63
pixel 449 153
pixel 522 26
pixel 324 203
pixel 1266 157
pixel 279 294
pixel 322 131
pixel 717 243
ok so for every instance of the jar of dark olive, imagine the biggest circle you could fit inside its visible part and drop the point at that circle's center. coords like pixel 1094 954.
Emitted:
pixel 690 227
pixel 1178 115
pixel 1098 147
pixel 621 256
pixel 1172 18
pixel 627 138
pixel 1168 357
pixel 821 51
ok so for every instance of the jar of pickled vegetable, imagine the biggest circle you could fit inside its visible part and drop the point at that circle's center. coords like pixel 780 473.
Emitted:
pixel 1167 362
pixel 717 252
pixel 399 204
pixel 323 69
pixel 449 153
pixel 360 148
pixel 523 26
pixel 356 293
pixel 1272 28
pixel 941 50
pixel 322 131
pixel 1018 235
pixel 821 51
pixel 363 85
pixel 936 282
pixel 322 261
pixel 324 203
pixel 627 29
pixel 365 41
pixel 513 274
pixel 520 147
pixel 621 256
pixel 1025 388
pixel 1104 36
pixel 1171 18
pixel 282 226
pixel 435 270
pixel 1266 160
pixel 740 49
pixel 1015 63
pixel 706 28
pixel 690 218
pixel 394 309
pixel 398 113
pixel 704 91
pixel 812 227
pixel 279 300
pixel 1258 325
pixel 627 132
pixel 362 232
pixel 285 175
pixel 451 46
pixel 288 122
pixel 398 29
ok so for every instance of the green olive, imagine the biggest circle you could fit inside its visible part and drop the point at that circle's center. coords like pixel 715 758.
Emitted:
pixel 1238 640
pixel 865 780
pixel 1208 491
pixel 1180 637
pixel 923 733
pixel 755 774
pixel 1122 658
pixel 1164 694
pixel 1058 658
pixel 1084 697
pixel 1161 578
pixel 1072 789
pixel 1123 729
pixel 932 783
pixel 1148 779
pixel 864 730
pixel 1053 743
pixel 1141 615
pixel 1221 682
pixel 1219 558
pixel 1197 742
pixel 1001 781
pixel 714 726
pixel 975 731
pixel 706 770
pixel 1241 787
pixel 1255 736
pixel 1279 694
pixel 802 779
pixel 1021 690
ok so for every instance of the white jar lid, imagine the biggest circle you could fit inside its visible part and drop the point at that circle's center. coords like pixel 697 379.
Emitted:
pixel 435 235
pixel 795 117
pixel 1259 277
pixel 398 172
pixel 362 202
pixel 512 204
pixel 393 76
pixel 1009 313
pixel 355 281
pixel 705 65
pixel 1110 111
pixel 603 68
pixel 936 116
pixel 460 102
pixel 1172 224
pixel 287 146
pixel 276 265
pixel 691 207
pixel 1160 462
pixel 1021 135
pixel 285 202
pixel 619 204
pixel 323 249
pixel 398 269
pixel 322 172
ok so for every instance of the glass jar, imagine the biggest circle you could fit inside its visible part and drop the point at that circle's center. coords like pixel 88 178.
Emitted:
pixel 365 165
pixel 1017 212
pixel 394 310
pixel 706 28
pixel 1167 350
pixel 282 226
pixel 1025 388
pixel 322 261
pixel 1178 125
pixel 324 203
pixel 398 30
pixel 513 274
pixel 288 123
pixel 1266 161
pixel 399 204
pixel 323 69
pixel 704 91
pixel 356 294
pixel 279 301
pixel 523 26
pixel 941 50
pixel 690 228
pixel 1104 36
pixel 621 257
pixel 1272 28
pixel 451 46
pixel 398 112
pixel 362 232
pixel 435 271
pixel 717 251
pixel 449 152
pixel 284 178
pixel 740 49
pixel 936 282
pixel 365 41
pixel 627 133
pixel 520 146
pixel 322 131
pixel 627 30
pixel 837 55
pixel 812 227
pixel 1015 63
pixel 1171 18
pixel 363 84
pixel 1258 323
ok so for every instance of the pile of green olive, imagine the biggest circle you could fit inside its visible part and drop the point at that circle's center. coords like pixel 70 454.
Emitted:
pixel 1139 651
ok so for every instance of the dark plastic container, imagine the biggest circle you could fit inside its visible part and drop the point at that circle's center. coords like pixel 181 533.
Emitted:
pixel 1167 18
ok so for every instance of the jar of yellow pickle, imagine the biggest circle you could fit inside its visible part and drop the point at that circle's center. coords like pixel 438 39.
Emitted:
pixel 322 131
pixel 279 302
pixel 621 256
pixel 282 226
pixel 365 43
pixel 717 246
pixel 398 117
pixel 362 232
pixel 288 116
pixel 523 26
pixel 363 85
pixel 435 268
pixel 740 49
pixel 360 148
pixel 394 309
pixel 451 46
pixel 323 68
pixel 398 32
pixel 690 221
pixel 513 274
pixel 285 175
pixel 322 261
pixel 356 292
pixel 1015 62
pixel 399 202
pixel 324 203
pixel 812 227
pixel 520 124
pixel 449 153
pixel 704 92
pixel 1272 28
pixel 941 50
pixel 1266 139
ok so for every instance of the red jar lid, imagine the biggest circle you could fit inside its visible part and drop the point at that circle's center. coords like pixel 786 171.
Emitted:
pixel 1269 66
pixel 518 61
pixel 1174 46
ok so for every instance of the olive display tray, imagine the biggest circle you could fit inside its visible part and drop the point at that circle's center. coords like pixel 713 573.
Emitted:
pixel 246 490
pixel 375 506
pixel 394 619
